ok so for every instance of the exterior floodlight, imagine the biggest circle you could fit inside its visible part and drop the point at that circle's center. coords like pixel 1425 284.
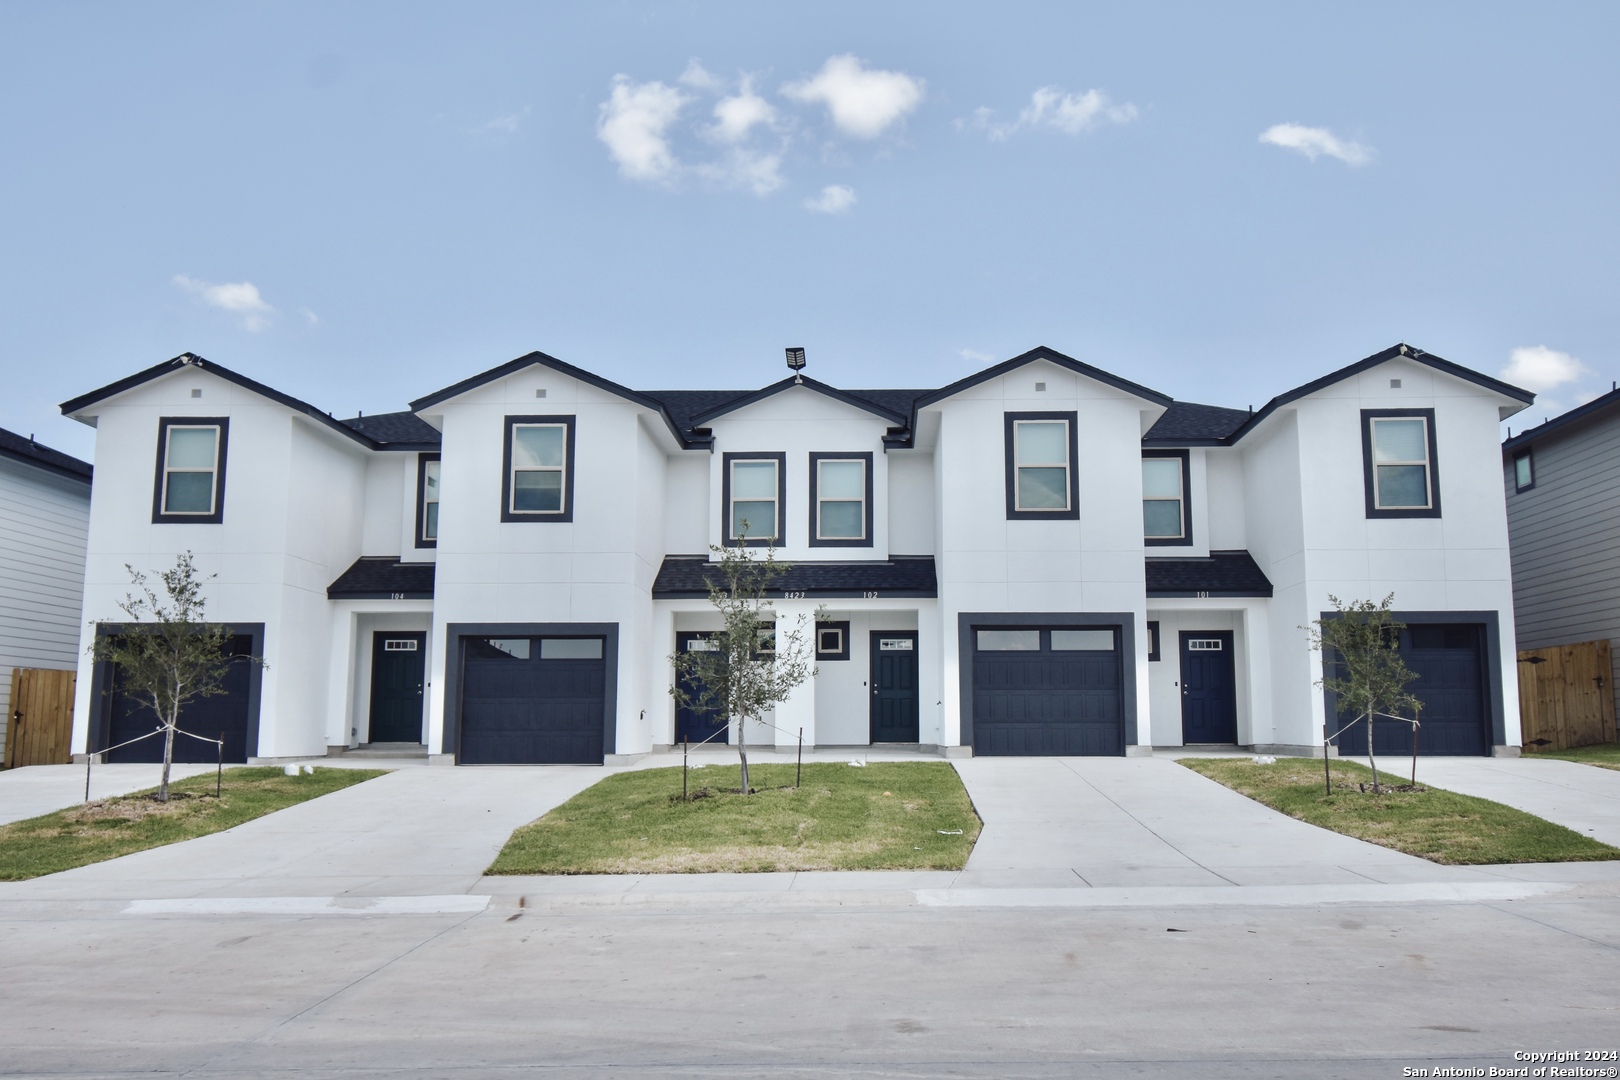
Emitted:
pixel 795 360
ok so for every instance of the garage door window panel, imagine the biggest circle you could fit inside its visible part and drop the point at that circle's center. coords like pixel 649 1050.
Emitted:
pixel 538 483
pixel 1041 466
pixel 190 482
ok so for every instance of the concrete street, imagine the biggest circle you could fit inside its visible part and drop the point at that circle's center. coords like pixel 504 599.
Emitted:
pixel 1120 917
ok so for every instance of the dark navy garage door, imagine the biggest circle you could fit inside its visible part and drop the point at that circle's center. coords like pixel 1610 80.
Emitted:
pixel 224 715
pixel 1449 660
pixel 1047 691
pixel 533 701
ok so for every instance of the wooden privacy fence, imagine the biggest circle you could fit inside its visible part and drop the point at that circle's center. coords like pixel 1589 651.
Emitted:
pixel 39 721
pixel 1566 696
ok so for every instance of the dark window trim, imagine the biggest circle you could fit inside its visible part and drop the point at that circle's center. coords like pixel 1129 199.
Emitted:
pixel 1186 537
pixel 969 621
pixel 1488 621
pixel 455 658
pixel 780 457
pixel 1433 509
pixel 567 512
pixel 421 501
pixel 816 458
pixel 832 625
pixel 164 424
pixel 1009 420
pixel 1528 454
pixel 1153 639
pixel 101 686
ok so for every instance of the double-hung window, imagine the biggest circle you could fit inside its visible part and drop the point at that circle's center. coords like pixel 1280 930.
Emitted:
pixel 1166 502
pixel 1398 462
pixel 190 483
pixel 1041 466
pixel 1524 470
pixel 840 500
pixel 427 500
pixel 754 490
pixel 538 484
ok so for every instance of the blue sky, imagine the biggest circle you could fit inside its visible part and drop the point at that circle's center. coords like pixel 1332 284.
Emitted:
pixel 360 203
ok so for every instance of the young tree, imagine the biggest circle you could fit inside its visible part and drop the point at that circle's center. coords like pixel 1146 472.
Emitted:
pixel 166 654
pixel 1361 641
pixel 745 673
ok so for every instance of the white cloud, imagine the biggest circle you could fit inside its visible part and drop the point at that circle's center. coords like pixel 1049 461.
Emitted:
pixel 1316 142
pixel 1053 107
pixel 739 114
pixel 752 170
pixel 863 102
pixel 309 316
pixel 241 298
pixel 1586 396
pixel 634 123
pixel 834 199
pixel 699 77
pixel 1538 368
pixel 973 356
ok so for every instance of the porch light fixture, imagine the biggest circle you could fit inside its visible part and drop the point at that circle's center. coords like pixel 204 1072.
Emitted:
pixel 795 360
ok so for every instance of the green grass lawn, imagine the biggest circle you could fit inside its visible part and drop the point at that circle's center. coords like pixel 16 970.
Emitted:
pixel 1604 755
pixel 129 823
pixel 910 815
pixel 1441 826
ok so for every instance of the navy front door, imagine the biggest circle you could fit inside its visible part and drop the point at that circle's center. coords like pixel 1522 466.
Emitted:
pixel 1208 687
pixel 894 686
pixel 697 725
pixel 397 673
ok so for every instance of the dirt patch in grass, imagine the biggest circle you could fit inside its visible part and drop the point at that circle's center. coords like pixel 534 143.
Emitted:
pixel 884 816
pixel 109 828
pixel 1603 755
pixel 1431 823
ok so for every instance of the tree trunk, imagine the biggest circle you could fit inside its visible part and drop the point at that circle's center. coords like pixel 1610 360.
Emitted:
pixel 1370 759
pixel 742 749
pixel 168 758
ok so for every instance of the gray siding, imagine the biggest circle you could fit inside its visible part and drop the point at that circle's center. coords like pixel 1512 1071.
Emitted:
pixel 1565 534
pixel 44 518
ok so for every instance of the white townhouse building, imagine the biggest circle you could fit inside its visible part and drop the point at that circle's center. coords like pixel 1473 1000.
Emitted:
pixel 1041 558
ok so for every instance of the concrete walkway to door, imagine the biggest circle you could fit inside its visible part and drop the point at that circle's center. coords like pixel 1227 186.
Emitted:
pixel 1113 822
pixel 1585 798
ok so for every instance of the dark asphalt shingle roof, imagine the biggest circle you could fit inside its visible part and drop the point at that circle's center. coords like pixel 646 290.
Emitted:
pixel 1224 573
pixel 684 406
pixel 396 430
pixel 382 577
pixel 689 575
pixel 24 448
pixel 1187 422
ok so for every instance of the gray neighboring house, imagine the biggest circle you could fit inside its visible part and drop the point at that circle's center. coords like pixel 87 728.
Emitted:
pixel 44 520
pixel 1563 502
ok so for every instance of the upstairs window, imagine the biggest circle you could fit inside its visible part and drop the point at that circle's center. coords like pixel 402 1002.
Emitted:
pixel 1166 498
pixel 1524 471
pixel 754 490
pixel 1041 466
pixel 1398 460
pixel 427 500
pixel 538 484
pixel 840 500
pixel 190 483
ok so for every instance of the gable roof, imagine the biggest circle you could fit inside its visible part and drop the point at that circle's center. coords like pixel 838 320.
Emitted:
pixel 1051 356
pixel 192 360
pixel 1401 351
pixel 17 448
pixel 397 431
pixel 1574 416
pixel 1185 423
pixel 540 359
pixel 854 398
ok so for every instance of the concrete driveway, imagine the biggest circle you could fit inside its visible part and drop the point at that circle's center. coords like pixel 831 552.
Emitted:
pixel 39 789
pixel 1585 798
